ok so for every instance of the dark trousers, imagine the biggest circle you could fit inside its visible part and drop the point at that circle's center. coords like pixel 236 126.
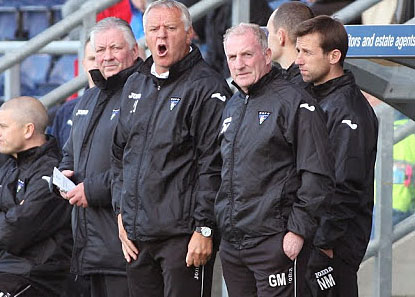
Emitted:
pixel 346 280
pixel 261 271
pixel 161 270
pixel 109 285
pixel 13 285
pixel 328 277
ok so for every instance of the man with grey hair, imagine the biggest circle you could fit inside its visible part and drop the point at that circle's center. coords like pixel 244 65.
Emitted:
pixel 97 250
pixel 282 40
pixel 277 171
pixel 166 161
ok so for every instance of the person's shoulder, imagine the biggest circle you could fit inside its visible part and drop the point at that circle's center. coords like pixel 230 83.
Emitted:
pixel 289 92
pixel 203 71
pixel 67 106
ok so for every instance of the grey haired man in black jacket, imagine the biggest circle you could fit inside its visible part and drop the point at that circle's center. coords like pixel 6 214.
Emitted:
pixel 97 250
pixel 277 171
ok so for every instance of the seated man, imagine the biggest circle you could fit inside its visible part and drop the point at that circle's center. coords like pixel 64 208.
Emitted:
pixel 35 236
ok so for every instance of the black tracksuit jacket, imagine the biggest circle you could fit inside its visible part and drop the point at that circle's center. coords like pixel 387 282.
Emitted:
pixel 166 158
pixel 35 231
pixel 97 248
pixel 277 166
pixel 353 131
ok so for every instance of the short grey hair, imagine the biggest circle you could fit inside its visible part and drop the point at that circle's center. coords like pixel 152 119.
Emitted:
pixel 113 23
pixel 243 28
pixel 186 18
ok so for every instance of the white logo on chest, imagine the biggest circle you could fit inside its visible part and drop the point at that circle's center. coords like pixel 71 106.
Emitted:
pixel 225 125
pixel 350 124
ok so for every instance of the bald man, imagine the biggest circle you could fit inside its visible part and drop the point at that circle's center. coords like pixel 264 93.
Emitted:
pixel 35 234
pixel 282 39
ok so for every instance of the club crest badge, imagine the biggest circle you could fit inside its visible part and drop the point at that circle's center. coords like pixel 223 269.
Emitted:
pixel 262 116
pixel 173 102
pixel 20 185
pixel 114 113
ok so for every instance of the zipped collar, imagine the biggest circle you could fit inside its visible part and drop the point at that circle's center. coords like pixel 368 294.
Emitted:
pixel 177 69
pixel 291 72
pixel 261 84
pixel 320 92
pixel 27 156
pixel 116 81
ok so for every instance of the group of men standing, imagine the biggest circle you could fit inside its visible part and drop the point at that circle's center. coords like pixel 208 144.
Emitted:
pixel 171 167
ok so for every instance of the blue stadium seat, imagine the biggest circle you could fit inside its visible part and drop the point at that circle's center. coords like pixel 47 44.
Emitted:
pixel 56 13
pixel 34 72
pixel 63 70
pixel 8 22
pixel 35 19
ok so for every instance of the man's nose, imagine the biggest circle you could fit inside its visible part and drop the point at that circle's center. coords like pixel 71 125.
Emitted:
pixel 108 54
pixel 299 59
pixel 162 32
pixel 239 62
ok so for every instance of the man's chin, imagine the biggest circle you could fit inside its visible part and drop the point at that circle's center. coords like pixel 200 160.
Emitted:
pixel 108 74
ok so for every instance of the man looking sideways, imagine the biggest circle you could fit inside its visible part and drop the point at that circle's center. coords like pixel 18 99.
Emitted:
pixel 344 231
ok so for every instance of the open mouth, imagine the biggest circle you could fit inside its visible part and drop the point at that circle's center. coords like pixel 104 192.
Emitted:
pixel 161 50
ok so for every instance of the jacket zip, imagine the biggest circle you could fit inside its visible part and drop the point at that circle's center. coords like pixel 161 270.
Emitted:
pixel 142 155
pixel 233 156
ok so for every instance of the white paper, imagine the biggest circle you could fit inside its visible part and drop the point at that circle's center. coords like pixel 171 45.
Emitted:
pixel 61 181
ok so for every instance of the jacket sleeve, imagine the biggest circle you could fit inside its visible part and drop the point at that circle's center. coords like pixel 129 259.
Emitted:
pixel 67 162
pixel 349 147
pixel 207 122
pixel 117 151
pixel 315 167
pixel 40 216
pixel 97 189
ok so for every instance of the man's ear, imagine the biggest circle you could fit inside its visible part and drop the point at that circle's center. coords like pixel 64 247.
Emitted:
pixel 335 56
pixel 268 56
pixel 29 130
pixel 189 36
pixel 282 36
pixel 136 51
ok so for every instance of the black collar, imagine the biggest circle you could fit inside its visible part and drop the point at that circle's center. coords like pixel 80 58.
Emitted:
pixel 322 91
pixel 28 156
pixel 261 84
pixel 116 81
pixel 177 69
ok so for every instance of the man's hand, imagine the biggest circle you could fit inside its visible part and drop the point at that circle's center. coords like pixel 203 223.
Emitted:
pixel 68 174
pixel 329 253
pixel 199 250
pixel 129 250
pixel 292 245
pixel 76 196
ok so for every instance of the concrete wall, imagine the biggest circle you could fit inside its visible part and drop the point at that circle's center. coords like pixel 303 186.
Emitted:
pixel 403 270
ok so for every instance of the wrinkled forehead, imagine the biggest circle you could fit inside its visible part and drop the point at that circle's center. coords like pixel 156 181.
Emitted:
pixel 162 15
pixel 241 42
pixel 109 36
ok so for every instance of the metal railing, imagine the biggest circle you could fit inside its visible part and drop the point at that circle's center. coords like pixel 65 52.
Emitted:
pixel 46 42
pixel 354 10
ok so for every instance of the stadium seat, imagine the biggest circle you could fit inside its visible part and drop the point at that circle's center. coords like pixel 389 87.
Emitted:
pixel 35 19
pixel 63 70
pixel 8 22
pixel 34 72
